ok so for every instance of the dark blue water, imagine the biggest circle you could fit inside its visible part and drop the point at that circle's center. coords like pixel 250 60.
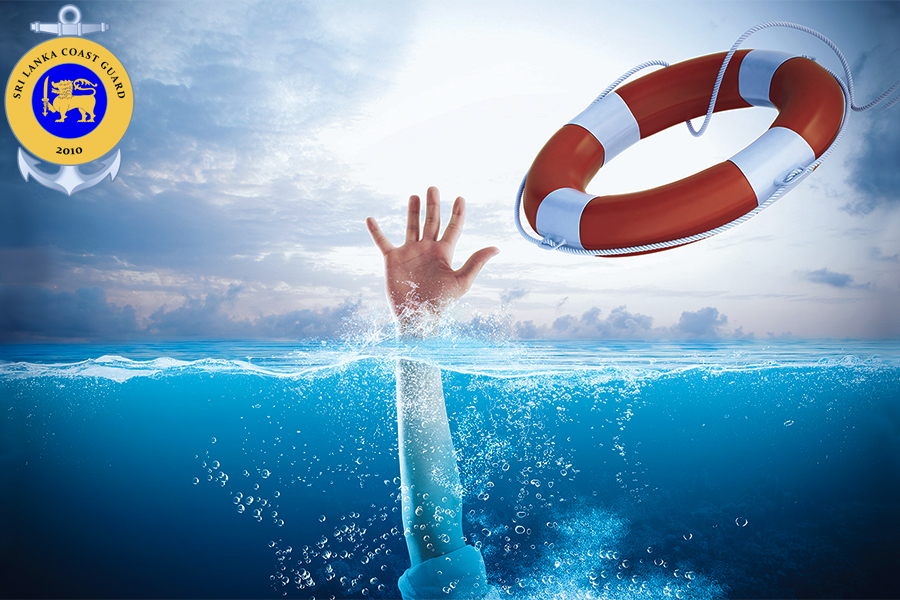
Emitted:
pixel 592 470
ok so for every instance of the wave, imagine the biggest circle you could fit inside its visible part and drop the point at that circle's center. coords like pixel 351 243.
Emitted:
pixel 508 359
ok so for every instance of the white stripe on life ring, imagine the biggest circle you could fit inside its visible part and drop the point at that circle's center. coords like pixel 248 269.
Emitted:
pixel 611 122
pixel 559 215
pixel 755 76
pixel 767 161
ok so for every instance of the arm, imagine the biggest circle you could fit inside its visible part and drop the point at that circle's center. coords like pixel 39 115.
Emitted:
pixel 429 479
pixel 421 283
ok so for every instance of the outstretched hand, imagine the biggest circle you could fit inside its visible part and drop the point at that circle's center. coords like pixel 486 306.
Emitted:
pixel 420 279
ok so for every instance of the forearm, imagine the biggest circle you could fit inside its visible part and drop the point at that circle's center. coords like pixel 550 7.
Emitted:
pixel 430 485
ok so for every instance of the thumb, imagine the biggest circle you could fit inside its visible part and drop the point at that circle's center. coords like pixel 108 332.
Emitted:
pixel 467 273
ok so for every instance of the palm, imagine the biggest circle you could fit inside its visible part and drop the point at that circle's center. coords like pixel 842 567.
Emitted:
pixel 420 278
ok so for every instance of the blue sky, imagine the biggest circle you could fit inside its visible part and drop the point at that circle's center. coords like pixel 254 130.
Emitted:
pixel 264 133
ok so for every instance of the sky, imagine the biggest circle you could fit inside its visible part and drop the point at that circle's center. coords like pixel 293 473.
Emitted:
pixel 264 133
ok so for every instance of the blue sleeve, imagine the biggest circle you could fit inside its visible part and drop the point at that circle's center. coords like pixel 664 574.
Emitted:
pixel 459 574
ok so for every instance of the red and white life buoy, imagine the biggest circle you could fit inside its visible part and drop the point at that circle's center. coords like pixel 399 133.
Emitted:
pixel 810 106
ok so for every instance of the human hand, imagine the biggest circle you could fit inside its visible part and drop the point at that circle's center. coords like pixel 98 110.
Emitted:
pixel 421 282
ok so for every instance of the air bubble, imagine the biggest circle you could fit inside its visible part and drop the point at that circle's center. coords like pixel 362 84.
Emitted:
pixel 196 480
pixel 741 522
pixel 520 530
pixel 213 441
pixel 321 518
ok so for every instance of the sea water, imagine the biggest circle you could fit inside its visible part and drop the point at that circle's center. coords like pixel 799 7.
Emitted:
pixel 591 469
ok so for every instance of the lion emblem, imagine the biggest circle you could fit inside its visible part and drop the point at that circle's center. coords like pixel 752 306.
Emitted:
pixel 66 100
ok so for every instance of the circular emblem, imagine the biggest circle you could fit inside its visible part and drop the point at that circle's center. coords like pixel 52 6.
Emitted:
pixel 69 101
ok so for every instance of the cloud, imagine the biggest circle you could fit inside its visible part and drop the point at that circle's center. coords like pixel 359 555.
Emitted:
pixel 207 318
pixel 619 324
pixel 509 296
pixel 874 173
pixel 832 279
pixel 878 254
pixel 29 313
pixel 703 324
pixel 874 170
pixel 222 176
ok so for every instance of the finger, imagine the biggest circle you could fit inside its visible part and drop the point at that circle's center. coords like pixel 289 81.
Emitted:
pixel 432 215
pixel 378 237
pixel 412 219
pixel 454 227
pixel 467 273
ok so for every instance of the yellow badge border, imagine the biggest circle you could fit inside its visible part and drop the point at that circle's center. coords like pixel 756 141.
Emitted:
pixel 37 140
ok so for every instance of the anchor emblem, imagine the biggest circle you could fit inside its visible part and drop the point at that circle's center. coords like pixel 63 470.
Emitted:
pixel 88 80
pixel 69 178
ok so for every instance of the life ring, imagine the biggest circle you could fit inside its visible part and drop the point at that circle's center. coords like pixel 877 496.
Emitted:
pixel 810 106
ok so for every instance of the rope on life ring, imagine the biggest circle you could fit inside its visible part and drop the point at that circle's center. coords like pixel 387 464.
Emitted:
pixel 813 104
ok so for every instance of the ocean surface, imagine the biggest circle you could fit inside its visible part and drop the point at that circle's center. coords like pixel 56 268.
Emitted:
pixel 592 469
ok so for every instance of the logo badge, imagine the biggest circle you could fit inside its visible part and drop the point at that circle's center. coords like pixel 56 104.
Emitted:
pixel 69 102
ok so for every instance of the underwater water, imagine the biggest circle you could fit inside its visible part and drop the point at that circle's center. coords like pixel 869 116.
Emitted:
pixel 592 469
